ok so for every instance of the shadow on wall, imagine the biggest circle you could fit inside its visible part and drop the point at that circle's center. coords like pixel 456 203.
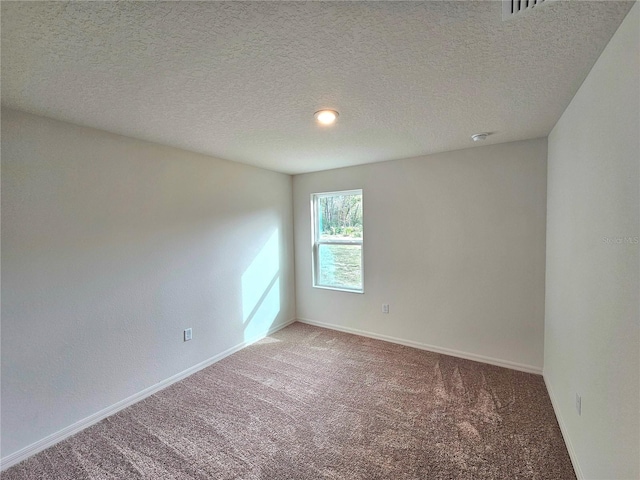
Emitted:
pixel 261 290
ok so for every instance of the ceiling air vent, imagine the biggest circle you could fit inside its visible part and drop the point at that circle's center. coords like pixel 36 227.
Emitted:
pixel 518 8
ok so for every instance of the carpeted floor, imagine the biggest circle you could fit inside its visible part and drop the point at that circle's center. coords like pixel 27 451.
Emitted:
pixel 310 403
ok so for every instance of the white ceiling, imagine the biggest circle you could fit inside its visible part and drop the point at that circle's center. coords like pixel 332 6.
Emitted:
pixel 241 80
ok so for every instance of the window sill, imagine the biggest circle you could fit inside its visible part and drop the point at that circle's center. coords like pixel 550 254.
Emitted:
pixel 339 289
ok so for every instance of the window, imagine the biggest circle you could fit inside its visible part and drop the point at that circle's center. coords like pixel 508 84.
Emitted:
pixel 337 240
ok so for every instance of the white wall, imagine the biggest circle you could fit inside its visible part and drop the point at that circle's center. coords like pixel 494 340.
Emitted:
pixel 454 242
pixel 110 248
pixel 592 338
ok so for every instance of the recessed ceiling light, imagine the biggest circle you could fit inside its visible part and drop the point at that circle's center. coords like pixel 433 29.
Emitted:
pixel 478 137
pixel 326 117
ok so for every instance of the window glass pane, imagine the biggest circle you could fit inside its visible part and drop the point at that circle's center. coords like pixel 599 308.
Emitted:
pixel 340 217
pixel 340 266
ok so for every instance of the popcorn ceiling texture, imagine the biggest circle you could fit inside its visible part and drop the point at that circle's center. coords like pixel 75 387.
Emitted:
pixel 241 80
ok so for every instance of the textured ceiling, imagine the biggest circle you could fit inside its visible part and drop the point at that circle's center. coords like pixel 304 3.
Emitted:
pixel 241 80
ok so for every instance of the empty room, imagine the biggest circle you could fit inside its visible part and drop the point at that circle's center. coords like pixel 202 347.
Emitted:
pixel 320 240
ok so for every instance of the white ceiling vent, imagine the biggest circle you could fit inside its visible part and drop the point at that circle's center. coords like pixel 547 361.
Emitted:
pixel 518 8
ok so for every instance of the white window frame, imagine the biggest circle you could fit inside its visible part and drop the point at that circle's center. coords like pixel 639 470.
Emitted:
pixel 316 242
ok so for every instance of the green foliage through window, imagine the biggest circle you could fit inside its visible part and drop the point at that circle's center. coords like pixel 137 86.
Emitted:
pixel 340 216
pixel 338 237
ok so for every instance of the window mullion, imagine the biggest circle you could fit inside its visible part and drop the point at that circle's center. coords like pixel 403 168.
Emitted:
pixel 338 242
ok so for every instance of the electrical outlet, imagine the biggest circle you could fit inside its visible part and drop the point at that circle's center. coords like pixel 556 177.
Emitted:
pixel 385 308
pixel 188 334
pixel 578 404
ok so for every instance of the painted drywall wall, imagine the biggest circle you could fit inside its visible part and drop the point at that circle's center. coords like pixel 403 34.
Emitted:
pixel 592 324
pixel 454 242
pixel 110 248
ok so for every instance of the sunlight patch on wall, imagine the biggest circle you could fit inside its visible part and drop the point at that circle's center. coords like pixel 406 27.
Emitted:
pixel 261 290
pixel 266 313
pixel 257 278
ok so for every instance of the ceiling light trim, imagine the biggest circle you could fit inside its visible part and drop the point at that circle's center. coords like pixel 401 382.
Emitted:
pixel 326 116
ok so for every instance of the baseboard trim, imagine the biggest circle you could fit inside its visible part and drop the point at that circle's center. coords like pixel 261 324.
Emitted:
pixel 565 432
pixel 80 425
pixel 424 346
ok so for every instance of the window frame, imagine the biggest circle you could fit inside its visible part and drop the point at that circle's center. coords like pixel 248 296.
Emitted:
pixel 316 242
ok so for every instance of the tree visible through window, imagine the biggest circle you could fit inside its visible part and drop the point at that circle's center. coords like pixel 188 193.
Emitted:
pixel 338 235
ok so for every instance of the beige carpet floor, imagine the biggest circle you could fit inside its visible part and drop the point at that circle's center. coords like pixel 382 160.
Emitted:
pixel 310 403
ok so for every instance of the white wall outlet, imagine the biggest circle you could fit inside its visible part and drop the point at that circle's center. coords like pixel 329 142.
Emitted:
pixel 188 334
pixel 578 404
pixel 385 308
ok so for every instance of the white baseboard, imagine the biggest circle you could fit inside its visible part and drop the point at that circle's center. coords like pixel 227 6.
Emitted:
pixel 74 428
pixel 565 433
pixel 431 348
